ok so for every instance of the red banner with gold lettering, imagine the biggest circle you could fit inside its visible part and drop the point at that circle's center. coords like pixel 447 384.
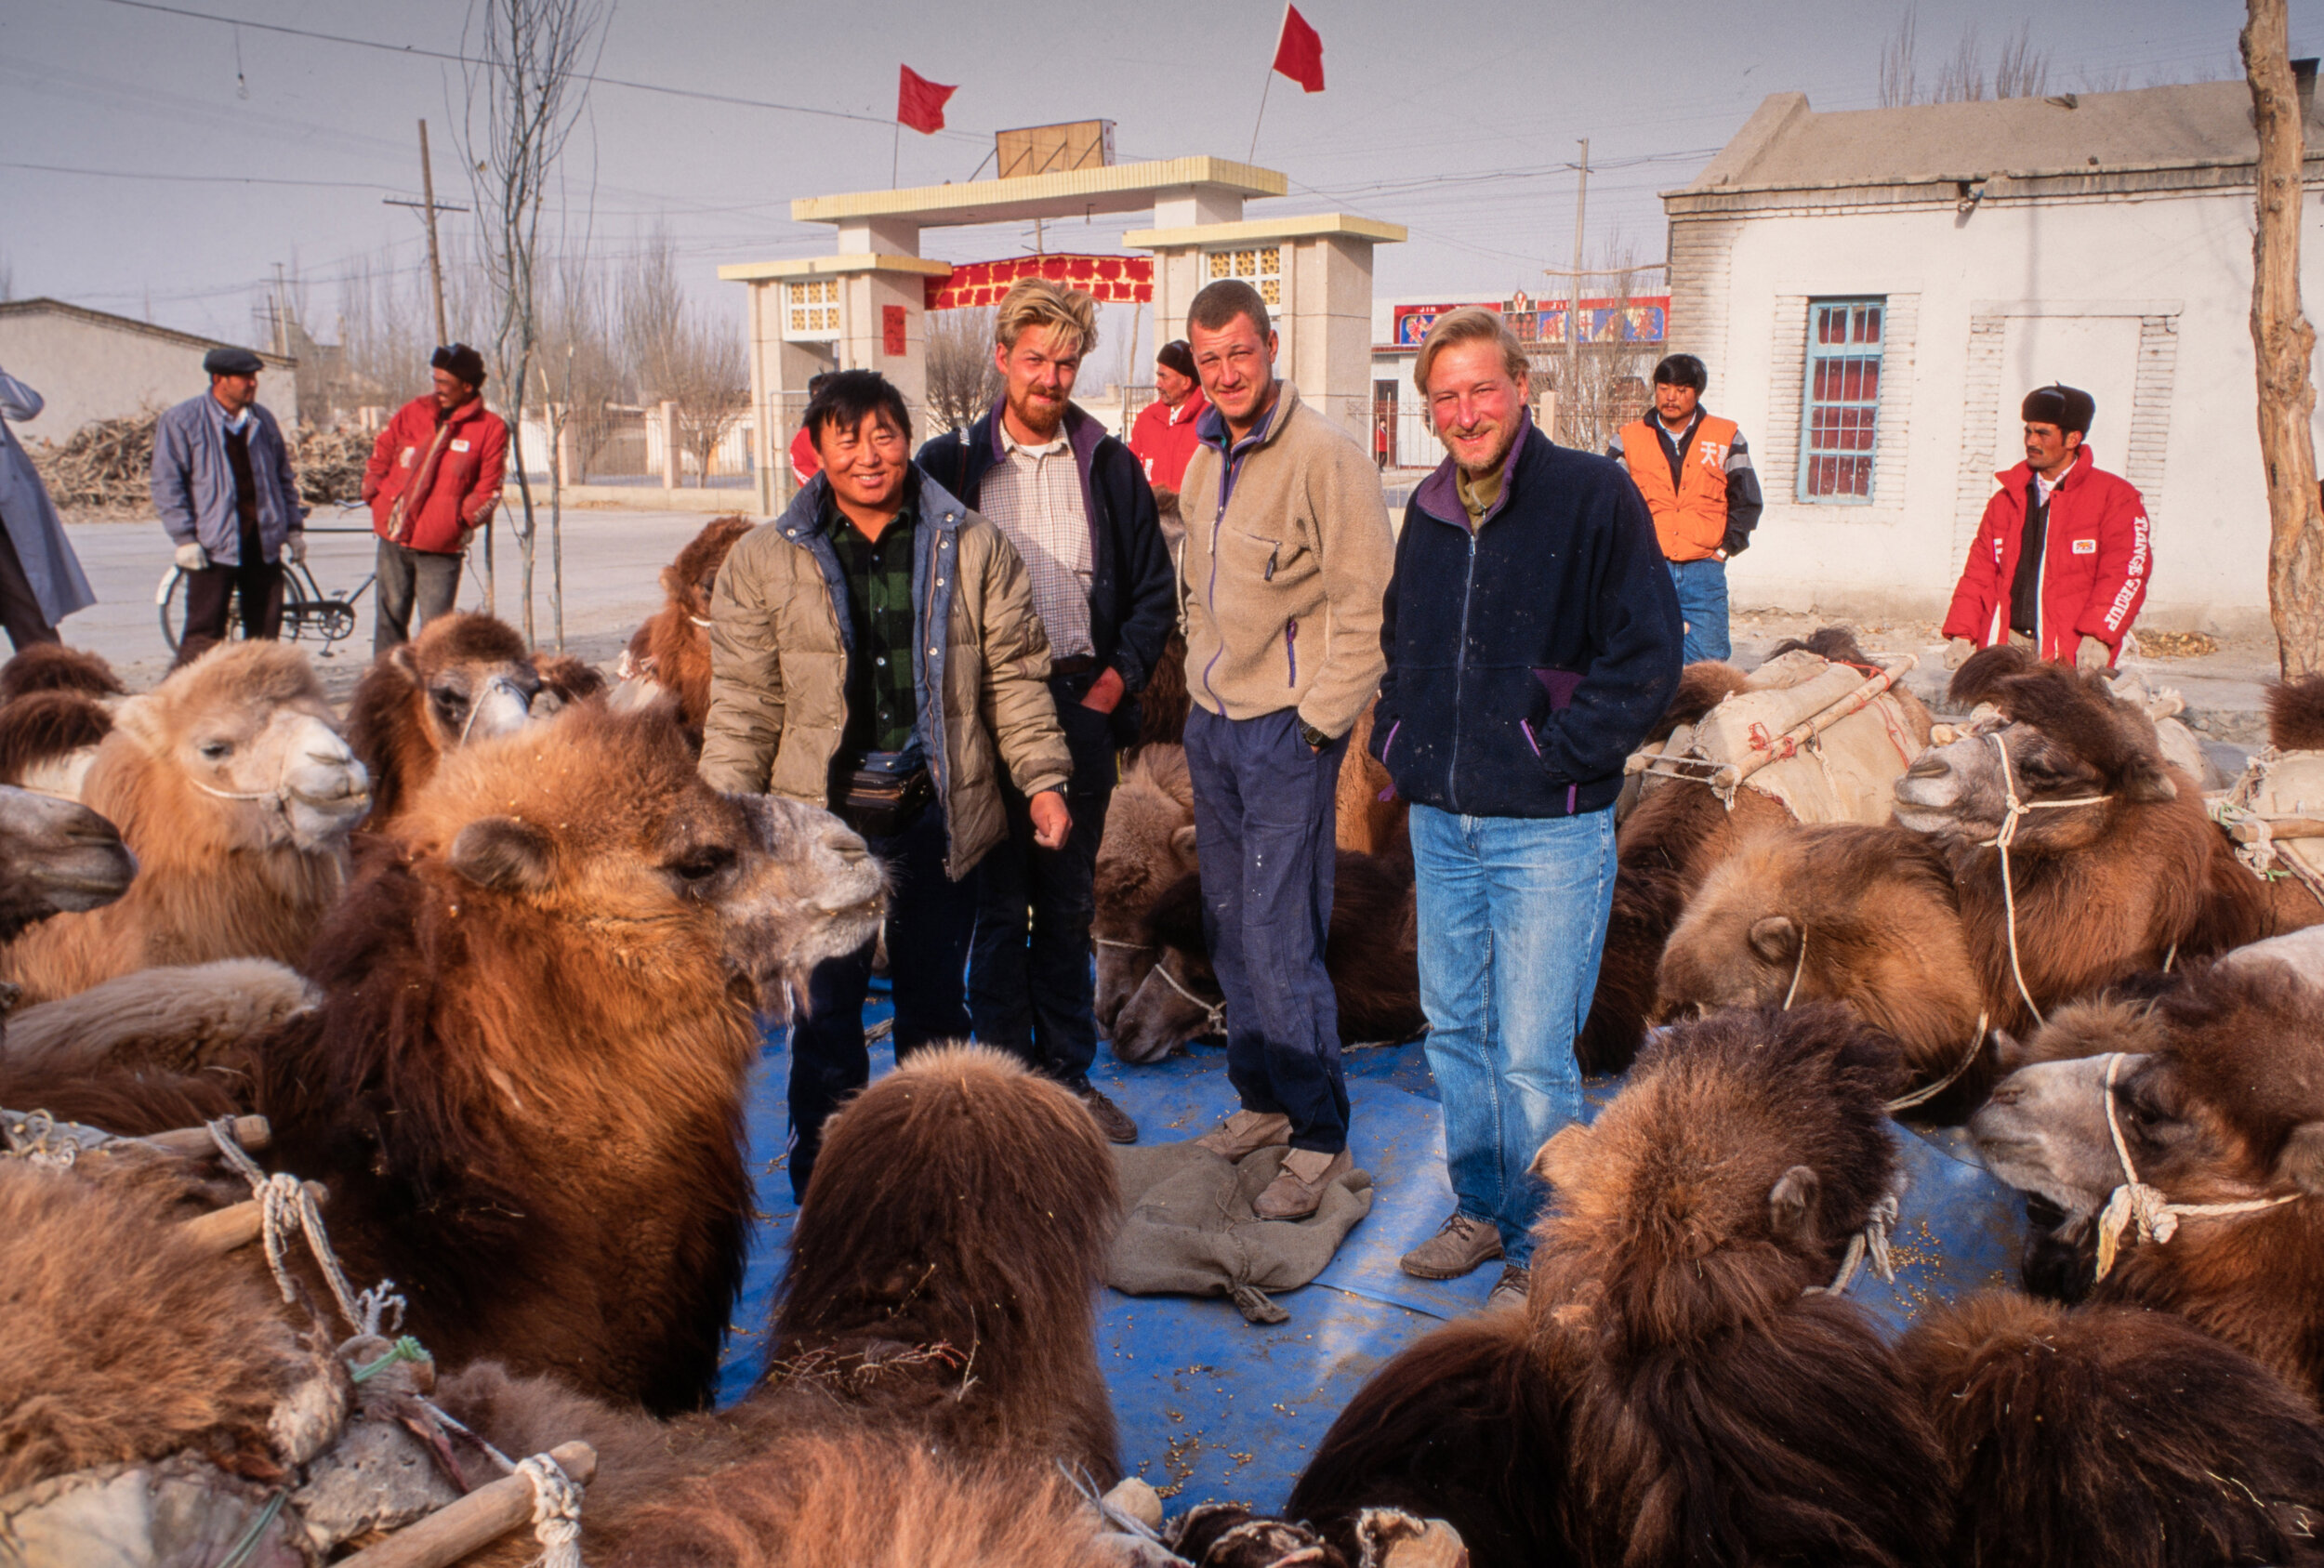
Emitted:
pixel 1111 280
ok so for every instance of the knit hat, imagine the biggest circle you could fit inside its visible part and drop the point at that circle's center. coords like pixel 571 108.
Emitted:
pixel 1179 357
pixel 2069 408
pixel 231 362
pixel 461 360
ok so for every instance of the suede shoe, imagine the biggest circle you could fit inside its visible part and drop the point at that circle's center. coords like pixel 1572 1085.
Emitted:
pixel 1247 1132
pixel 1111 1119
pixel 1510 1288
pixel 1298 1190
pixel 1460 1243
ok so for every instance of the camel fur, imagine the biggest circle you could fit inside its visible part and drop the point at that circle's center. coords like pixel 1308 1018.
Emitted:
pixel 57 857
pixel 55 704
pixel 52 666
pixel 171 1018
pixel 1148 845
pixel 230 783
pixel 465 677
pixel 672 648
pixel 2112 1437
pixel 2295 714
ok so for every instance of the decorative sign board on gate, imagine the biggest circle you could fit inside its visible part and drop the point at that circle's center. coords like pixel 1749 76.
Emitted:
pixel 1111 280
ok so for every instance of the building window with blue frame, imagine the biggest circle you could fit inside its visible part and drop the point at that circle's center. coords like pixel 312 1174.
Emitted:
pixel 1839 423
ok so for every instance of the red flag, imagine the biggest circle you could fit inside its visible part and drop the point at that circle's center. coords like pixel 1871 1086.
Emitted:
pixel 1300 52
pixel 920 102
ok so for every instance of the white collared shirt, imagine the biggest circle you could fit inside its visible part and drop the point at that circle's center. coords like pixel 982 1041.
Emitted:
pixel 1033 496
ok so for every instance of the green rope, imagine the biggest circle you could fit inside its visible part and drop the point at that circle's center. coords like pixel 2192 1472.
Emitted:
pixel 406 1349
pixel 249 1542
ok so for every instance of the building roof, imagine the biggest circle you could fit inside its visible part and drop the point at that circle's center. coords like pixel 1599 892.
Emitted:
pixel 2111 137
pixel 44 307
pixel 1109 187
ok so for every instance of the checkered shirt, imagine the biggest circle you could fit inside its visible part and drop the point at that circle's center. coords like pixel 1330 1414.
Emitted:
pixel 1033 494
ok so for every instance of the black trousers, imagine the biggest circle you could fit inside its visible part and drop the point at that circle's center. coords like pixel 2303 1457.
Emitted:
pixel 928 919
pixel 19 607
pixel 411 579
pixel 1031 990
pixel 256 579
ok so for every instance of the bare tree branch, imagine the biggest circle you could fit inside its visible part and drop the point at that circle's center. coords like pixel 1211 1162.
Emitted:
pixel 2024 71
pixel 961 381
pixel 1900 82
pixel 681 358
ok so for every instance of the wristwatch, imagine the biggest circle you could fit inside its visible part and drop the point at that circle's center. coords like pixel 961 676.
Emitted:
pixel 1313 736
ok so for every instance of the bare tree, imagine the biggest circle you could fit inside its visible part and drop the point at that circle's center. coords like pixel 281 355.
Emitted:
pixel 1962 78
pixel 2283 344
pixel 525 93
pixel 1608 386
pixel 961 381
pixel 2023 70
pixel 8 277
pixel 1900 81
pixel 682 358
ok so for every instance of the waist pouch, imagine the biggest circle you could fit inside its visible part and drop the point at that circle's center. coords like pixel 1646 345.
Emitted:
pixel 886 795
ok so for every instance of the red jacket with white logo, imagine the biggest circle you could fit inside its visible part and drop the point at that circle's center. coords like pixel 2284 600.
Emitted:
pixel 453 483
pixel 1164 438
pixel 2095 561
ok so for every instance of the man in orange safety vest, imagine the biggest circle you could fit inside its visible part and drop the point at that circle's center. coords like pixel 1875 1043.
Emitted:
pixel 1695 473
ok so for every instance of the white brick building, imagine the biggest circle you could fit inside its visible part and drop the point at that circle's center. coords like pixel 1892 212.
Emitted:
pixel 91 364
pixel 1875 290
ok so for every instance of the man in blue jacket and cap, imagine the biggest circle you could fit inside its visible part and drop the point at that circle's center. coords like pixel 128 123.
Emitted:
pixel 222 483
pixel 1532 635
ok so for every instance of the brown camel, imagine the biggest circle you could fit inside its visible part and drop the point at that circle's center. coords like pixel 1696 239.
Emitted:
pixel 941 1293
pixel 2111 1437
pixel 230 783
pixel 525 1083
pixel 672 651
pixel 56 705
pixel 2115 868
pixel 465 677
pixel 2216 1090
pixel 57 857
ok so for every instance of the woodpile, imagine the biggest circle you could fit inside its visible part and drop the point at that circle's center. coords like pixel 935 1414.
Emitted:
pixel 329 463
pixel 106 467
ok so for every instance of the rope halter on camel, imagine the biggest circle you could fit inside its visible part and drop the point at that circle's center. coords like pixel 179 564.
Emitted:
pixel 1214 1013
pixel 2002 841
pixel 556 1511
pixel 2157 1218
pixel 1927 1092
pixel 286 1207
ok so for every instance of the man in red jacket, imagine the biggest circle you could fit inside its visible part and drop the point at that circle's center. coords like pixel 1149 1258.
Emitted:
pixel 2062 558
pixel 433 479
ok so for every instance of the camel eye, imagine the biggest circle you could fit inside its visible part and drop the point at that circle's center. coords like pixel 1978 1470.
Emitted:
pixel 216 751
pixel 700 866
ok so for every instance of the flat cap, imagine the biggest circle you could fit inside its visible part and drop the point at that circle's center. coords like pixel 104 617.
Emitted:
pixel 231 362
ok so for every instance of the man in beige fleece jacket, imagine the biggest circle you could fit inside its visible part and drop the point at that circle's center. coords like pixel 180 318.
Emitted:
pixel 1288 553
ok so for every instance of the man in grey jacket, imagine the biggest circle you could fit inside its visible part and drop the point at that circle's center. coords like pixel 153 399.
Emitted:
pixel 40 579
pixel 222 483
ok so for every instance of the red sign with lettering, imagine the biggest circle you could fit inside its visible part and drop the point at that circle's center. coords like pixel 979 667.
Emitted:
pixel 892 331
pixel 1111 280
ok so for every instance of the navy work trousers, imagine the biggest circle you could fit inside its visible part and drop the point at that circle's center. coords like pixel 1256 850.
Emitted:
pixel 1263 831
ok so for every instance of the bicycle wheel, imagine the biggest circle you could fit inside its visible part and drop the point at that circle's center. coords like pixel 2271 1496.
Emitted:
pixel 169 600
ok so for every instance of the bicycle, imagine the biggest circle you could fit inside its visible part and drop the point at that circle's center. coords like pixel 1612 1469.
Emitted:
pixel 306 607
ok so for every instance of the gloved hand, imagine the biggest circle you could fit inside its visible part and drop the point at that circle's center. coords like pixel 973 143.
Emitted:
pixel 2092 654
pixel 192 557
pixel 295 547
pixel 1957 652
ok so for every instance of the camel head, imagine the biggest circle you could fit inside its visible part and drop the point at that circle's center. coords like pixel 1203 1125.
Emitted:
pixel 1149 845
pixel 2066 738
pixel 1159 1016
pixel 465 677
pixel 56 857
pixel 689 579
pixel 236 751
pixel 813 890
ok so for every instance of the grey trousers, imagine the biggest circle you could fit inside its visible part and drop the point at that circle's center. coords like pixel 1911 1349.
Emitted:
pixel 410 579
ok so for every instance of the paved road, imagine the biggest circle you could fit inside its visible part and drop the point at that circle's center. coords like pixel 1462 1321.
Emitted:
pixel 613 559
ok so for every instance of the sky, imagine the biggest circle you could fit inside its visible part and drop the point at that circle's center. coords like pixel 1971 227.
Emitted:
pixel 161 165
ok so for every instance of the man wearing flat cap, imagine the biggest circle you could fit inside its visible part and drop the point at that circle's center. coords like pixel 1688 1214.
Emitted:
pixel 223 484
pixel 2062 558
pixel 433 479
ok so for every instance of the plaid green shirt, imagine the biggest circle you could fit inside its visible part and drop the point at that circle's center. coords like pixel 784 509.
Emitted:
pixel 881 711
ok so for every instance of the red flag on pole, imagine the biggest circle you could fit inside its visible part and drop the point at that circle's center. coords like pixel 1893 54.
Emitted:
pixel 920 102
pixel 1300 52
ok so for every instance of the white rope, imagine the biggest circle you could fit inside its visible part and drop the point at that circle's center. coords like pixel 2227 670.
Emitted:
pixel 1214 1013
pixel 556 1511
pixel 499 681
pixel 1923 1095
pixel 1797 969
pixel 2158 1218
pixel 38 1141
pixel 1870 1242
pixel 700 622
pixel 2002 841
pixel 1116 941
pixel 286 1207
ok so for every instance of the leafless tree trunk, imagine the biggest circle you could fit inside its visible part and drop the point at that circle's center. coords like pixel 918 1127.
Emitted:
pixel 2284 345
pixel 2023 70
pixel 961 381
pixel 524 95
pixel 682 357
pixel 1900 81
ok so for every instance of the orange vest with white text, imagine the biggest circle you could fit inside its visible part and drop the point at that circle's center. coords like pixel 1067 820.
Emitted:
pixel 1690 521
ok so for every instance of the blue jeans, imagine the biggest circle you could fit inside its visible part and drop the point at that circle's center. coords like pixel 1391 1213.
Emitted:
pixel 1512 914
pixel 1702 586
pixel 1264 829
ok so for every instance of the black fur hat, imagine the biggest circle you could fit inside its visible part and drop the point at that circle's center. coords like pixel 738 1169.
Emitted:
pixel 2069 408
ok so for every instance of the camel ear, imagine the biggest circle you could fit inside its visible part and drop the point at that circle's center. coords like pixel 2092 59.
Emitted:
pixel 2146 781
pixel 502 853
pixel 1775 938
pixel 2008 1055
pixel 400 657
pixel 1560 1161
pixel 2301 1163
pixel 1183 840
pixel 1791 1205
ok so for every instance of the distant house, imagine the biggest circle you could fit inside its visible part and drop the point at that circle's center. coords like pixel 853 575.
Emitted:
pixel 1875 290
pixel 91 366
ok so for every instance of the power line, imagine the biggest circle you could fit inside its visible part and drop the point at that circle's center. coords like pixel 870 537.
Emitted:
pixel 199 179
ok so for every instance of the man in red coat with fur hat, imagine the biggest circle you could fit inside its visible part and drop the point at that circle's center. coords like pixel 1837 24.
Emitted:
pixel 2062 558
pixel 433 479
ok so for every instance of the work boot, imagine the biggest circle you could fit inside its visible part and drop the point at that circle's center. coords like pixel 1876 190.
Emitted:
pixel 1111 1119
pixel 1460 1243
pixel 1510 1288
pixel 1247 1132
pixel 1298 1191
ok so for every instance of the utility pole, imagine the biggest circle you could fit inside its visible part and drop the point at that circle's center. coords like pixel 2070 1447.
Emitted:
pixel 1571 402
pixel 429 207
pixel 281 315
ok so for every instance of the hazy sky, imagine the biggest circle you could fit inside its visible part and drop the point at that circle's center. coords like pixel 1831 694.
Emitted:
pixel 1457 118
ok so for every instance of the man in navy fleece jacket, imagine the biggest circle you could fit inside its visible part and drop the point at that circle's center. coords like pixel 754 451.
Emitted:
pixel 1532 635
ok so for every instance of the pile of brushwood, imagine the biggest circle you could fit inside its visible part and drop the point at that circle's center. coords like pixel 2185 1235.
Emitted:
pixel 106 467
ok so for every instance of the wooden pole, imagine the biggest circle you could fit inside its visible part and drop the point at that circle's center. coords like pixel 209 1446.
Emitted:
pixel 485 1515
pixel 1267 82
pixel 2283 343
pixel 1570 404
pixel 236 1225
pixel 251 1132
pixel 435 261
